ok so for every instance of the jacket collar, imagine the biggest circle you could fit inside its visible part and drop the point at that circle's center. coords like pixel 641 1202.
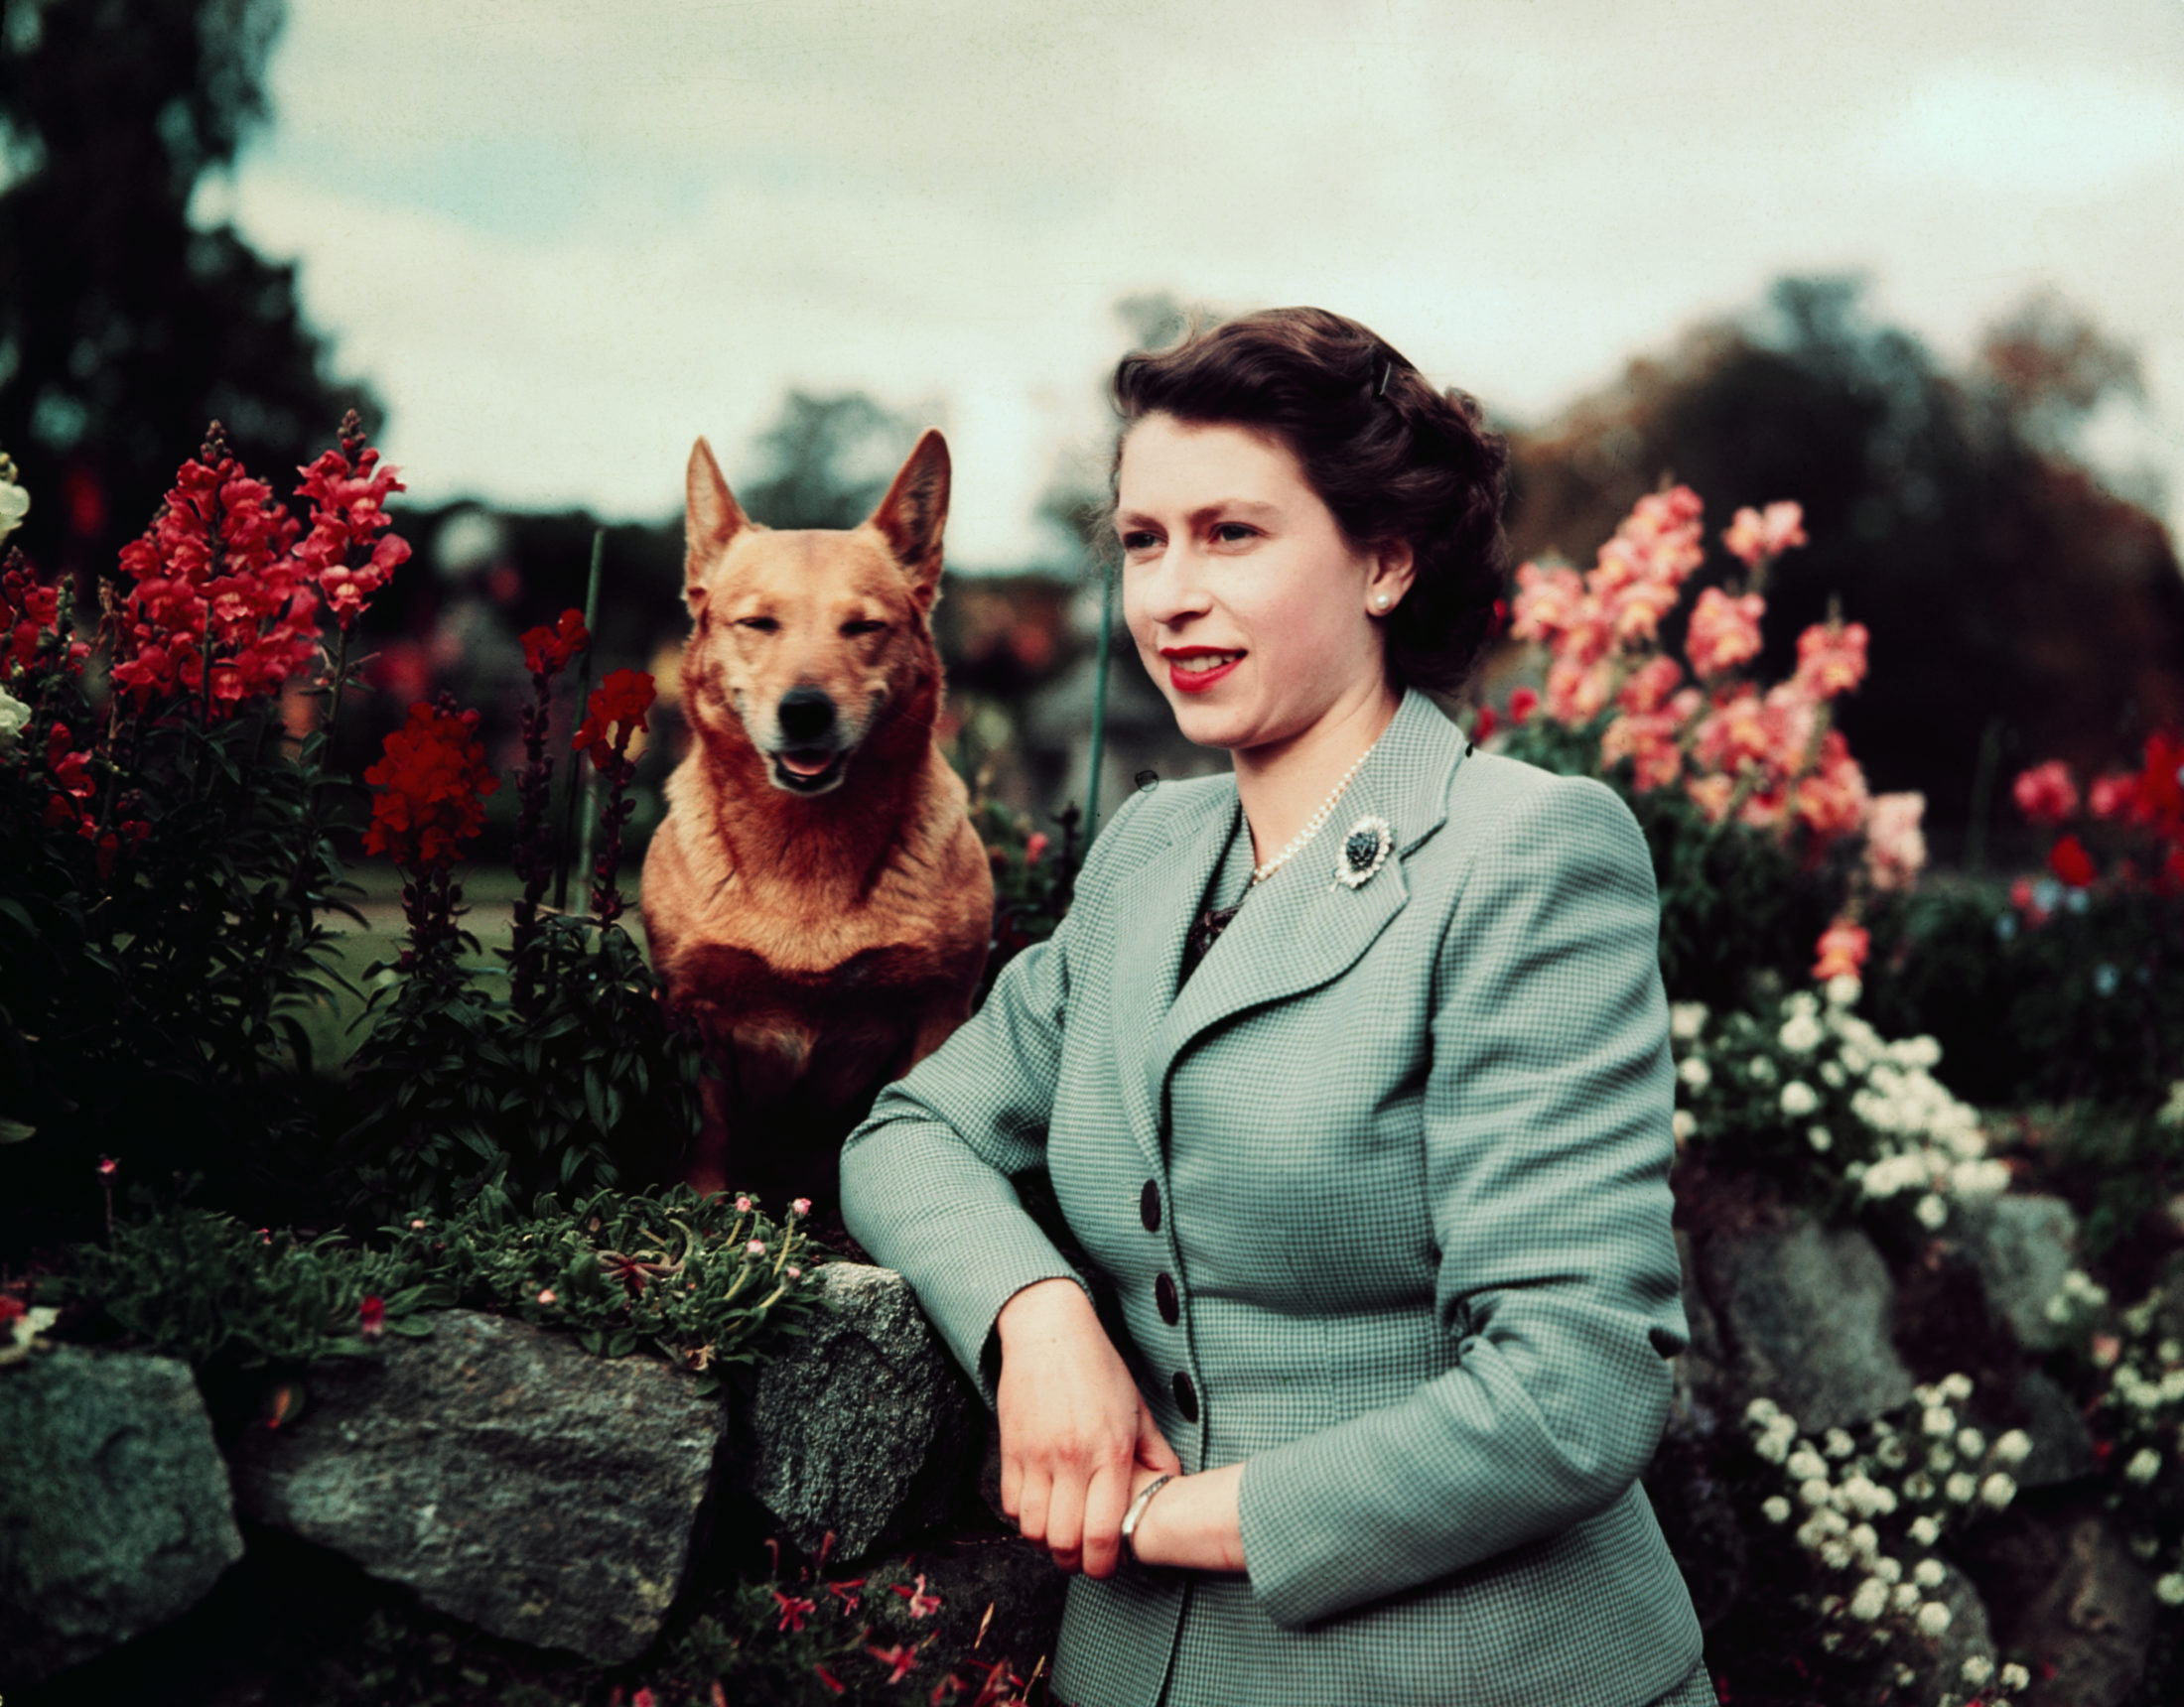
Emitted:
pixel 1296 930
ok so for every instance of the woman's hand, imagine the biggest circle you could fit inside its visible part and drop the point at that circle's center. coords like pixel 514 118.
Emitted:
pixel 1194 1523
pixel 1075 1435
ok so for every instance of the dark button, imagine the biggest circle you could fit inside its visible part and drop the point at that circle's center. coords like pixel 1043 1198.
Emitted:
pixel 1163 1294
pixel 1187 1398
pixel 1148 1207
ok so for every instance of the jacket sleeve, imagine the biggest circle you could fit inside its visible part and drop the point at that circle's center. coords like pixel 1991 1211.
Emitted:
pixel 925 1178
pixel 1548 1147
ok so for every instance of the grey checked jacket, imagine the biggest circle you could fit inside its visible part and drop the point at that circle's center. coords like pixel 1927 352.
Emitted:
pixel 1402 1152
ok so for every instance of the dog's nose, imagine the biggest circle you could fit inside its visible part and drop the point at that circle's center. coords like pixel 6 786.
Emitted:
pixel 807 715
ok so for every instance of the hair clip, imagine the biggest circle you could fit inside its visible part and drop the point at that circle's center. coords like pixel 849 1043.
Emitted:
pixel 1387 371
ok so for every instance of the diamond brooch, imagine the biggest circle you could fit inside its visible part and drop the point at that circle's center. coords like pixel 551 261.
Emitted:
pixel 1365 849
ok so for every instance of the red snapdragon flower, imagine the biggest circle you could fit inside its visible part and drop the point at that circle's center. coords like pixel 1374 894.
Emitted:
pixel 547 651
pixel 2069 861
pixel 433 781
pixel 1843 949
pixel 371 1316
pixel 349 552
pixel 617 705
pixel 2045 794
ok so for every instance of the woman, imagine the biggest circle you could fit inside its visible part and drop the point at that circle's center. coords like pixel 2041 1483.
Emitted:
pixel 1375 1197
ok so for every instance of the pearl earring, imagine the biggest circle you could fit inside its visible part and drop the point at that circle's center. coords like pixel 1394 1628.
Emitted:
pixel 1380 601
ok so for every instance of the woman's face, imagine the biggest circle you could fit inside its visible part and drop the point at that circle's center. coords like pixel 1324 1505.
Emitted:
pixel 1251 611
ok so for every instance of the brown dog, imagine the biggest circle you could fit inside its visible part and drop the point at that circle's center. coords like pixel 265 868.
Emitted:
pixel 816 897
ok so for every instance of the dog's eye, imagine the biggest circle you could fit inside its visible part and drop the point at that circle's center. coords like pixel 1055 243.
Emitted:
pixel 862 626
pixel 764 624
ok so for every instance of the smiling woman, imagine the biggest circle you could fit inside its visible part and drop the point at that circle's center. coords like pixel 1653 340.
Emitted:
pixel 1350 1074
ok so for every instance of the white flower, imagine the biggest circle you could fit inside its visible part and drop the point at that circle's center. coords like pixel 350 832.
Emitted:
pixel 1905 1596
pixel 1762 1068
pixel 1931 1211
pixel 1837 1443
pixel 1799 1099
pixel 1805 1464
pixel 1933 1618
pixel 1999 1489
pixel 1820 1137
pixel 1694 1072
pixel 1941 1460
pixel 1887 1569
pixel 2143 1467
pixel 1919 1485
pixel 1772 1447
pixel 1871 1599
pixel 1815 1492
pixel 1892 1453
pixel 1801 1034
pixel 2172 1111
pixel 1939 1420
pixel 2014 1676
pixel 1956 1386
pixel 1842 990
pixel 1960 1488
pixel 1687 1019
pixel 2171 1589
pixel 1832 1075
pixel 1977 1669
pixel 14 713
pixel 1928 1573
pixel 1970 1442
pixel 1834 1554
pixel 15 502
pixel 1865 1539
pixel 1762 1409
pixel 2014 1447
pixel 1776 1509
pixel 1684 1124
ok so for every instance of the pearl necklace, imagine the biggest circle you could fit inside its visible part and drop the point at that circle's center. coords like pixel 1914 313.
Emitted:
pixel 1259 873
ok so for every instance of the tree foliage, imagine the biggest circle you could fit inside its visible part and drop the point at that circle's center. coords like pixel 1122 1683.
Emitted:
pixel 124 327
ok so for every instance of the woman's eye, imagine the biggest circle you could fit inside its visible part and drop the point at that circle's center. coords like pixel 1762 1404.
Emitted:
pixel 764 624
pixel 1140 541
pixel 1233 533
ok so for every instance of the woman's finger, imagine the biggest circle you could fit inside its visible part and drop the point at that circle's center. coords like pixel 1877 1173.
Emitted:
pixel 1011 1482
pixel 1104 1503
pixel 1154 1450
pixel 1032 1502
pixel 1065 1518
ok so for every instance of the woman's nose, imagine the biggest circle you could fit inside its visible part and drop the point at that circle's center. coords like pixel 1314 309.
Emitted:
pixel 1174 585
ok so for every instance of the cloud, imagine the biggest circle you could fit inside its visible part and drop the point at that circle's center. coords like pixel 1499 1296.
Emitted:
pixel 564 239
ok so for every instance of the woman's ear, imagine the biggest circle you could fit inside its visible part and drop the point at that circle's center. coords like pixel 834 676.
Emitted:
pixel 1393 568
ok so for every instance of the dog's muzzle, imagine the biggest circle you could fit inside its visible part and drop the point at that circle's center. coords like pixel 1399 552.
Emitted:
pixel 810 757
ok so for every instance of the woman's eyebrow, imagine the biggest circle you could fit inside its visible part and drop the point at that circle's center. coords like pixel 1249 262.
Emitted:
pixel 1242 507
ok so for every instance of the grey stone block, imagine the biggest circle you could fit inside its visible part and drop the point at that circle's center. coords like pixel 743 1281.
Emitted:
pixel 1808 1312
pixel 2023 1244
pixel 864 1426
pixel 116 1514
pixel 512 1478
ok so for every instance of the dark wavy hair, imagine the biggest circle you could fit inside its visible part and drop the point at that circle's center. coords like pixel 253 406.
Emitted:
pixel 1392 459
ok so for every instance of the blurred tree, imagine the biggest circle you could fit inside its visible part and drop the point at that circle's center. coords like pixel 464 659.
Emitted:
pixel 123 327
pixel 2015 603
pixel 829 460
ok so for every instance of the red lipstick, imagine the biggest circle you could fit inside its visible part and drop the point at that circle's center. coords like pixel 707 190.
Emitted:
pixel 1196 681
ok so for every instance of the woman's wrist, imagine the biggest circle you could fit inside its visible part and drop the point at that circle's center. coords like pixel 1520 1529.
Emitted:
pixel 1192 1523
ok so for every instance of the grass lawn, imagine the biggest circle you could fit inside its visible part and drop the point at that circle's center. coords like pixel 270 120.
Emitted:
pixel 488 896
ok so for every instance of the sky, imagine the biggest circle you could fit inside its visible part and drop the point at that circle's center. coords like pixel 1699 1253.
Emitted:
pixel 562 238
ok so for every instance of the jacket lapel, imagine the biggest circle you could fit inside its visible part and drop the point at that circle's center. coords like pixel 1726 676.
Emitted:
pixel 1297 931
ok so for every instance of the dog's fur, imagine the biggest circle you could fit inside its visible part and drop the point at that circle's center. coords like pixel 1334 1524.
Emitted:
pixel 816 898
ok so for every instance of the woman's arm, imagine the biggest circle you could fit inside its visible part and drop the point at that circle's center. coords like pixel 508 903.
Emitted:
pixel 1547 1156
pixel 925 1189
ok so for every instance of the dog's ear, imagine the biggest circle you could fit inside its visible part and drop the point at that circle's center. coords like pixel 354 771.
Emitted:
pixel 713 520
pixel 909 518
